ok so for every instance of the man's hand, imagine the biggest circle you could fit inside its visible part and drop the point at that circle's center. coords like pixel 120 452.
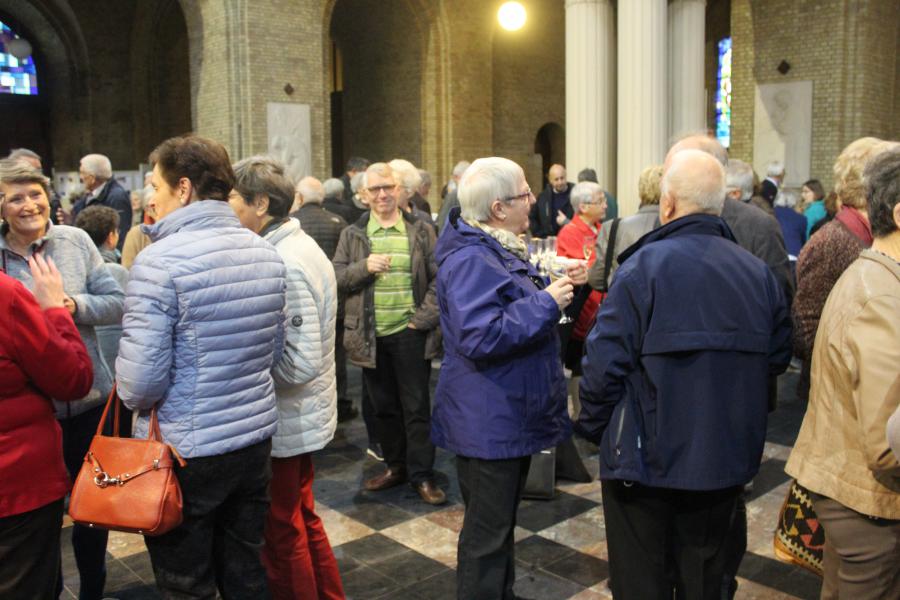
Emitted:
pixel 577 272
pixel 378 263
pixel 561 218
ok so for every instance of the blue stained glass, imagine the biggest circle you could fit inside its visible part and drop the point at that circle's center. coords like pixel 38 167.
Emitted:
pixel 16 76
pixel 723 93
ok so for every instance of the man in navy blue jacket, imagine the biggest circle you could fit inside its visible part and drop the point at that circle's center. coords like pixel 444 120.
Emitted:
pixel 674 390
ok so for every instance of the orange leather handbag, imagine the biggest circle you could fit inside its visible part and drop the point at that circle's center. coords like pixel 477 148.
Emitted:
pixel 128 484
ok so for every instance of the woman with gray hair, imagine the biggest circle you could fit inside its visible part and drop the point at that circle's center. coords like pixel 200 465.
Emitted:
pixel 92 298
pixel 501 394
pixel 842 455
pixel 408 181
pixel 297 555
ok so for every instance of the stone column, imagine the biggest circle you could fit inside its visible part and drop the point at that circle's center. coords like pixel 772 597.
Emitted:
pixel 590 89
pixel 687 39
pixel 642 122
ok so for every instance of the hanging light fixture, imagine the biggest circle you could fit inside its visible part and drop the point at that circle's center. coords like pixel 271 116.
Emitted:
pixel 511 16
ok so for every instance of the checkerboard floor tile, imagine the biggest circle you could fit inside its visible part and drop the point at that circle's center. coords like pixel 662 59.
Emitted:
pixel 391 546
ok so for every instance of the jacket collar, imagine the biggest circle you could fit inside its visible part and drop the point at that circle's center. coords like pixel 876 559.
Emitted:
pixel 202 214
pixel 696 224
pixel 286 229
pixel 889 263
pixel 458 234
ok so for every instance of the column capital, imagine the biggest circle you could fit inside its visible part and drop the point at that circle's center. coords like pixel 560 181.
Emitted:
pixel 570 3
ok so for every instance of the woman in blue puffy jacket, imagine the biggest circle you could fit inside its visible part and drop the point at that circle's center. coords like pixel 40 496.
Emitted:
pixel 501 395
pixel 203 326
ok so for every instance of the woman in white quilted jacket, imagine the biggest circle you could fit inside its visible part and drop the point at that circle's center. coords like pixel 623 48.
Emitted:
pixel 297 555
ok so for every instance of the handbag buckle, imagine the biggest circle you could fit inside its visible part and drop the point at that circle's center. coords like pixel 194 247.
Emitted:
pixel 103 480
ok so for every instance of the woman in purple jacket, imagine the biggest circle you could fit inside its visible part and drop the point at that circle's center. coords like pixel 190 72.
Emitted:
pixel 501 395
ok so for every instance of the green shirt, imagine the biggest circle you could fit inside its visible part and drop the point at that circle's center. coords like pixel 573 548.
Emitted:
pixel 394 301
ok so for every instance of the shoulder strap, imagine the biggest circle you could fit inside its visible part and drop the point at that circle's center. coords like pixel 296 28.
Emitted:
pixel 610 251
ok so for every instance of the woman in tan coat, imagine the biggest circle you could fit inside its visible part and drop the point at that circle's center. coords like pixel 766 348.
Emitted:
pixel 842 454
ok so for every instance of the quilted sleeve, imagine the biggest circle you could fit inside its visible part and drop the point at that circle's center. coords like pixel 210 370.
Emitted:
pixel 148 327
pixel 302 358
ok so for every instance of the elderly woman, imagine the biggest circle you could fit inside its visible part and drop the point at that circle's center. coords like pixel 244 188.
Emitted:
pixel 35 330
pixel 408 182
pixel 203 327
pixel 841 454
pixel 501 395
pixel 628 229
pixel 298 558
pixel 93 298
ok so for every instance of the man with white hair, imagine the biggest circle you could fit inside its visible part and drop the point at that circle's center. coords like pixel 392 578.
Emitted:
pixel 408 182
pixel 95 172
pixel 772 183
pixel 675 385
pixel 451 200
pixel 334 203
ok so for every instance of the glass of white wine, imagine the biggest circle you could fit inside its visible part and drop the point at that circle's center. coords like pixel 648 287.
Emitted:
pixel 556 269
pixel 587 246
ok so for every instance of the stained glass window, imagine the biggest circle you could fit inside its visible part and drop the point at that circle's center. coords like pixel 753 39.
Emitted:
pixel 16 76
pixel 723 93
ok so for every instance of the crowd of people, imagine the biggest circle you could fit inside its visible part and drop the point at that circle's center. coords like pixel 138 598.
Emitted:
pixel 229 299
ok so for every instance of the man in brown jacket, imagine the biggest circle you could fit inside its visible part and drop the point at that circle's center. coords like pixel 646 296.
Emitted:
pixel 386 273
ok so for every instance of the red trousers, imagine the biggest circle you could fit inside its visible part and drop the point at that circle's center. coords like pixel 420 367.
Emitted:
pixel 298 558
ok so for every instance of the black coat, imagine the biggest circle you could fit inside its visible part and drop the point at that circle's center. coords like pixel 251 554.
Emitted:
pixel 323 226
pixel 114 196
pixel 542 220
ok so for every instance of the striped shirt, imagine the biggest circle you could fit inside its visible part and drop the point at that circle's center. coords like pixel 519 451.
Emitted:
pixel 394 301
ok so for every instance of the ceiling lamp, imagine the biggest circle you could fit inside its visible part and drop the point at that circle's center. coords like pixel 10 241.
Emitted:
pixel 511 16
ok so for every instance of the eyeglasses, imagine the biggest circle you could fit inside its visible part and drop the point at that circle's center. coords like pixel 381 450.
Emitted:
pixel 524 195
pixel 377 189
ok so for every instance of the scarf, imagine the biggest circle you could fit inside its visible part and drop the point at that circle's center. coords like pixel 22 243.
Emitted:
pixel 507 239
pixel 852 220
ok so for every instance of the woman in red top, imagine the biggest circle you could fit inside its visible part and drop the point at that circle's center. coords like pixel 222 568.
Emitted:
pixel 41 356
pixel 578 240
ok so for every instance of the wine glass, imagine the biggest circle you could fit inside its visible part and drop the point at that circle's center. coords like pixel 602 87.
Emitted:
pixel 556 269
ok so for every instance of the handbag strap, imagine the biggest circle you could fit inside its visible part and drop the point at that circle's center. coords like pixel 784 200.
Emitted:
pixel 153 432
pixel 610 252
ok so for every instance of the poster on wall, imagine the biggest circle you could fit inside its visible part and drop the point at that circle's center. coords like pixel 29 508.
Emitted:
pixel 289 137
pixel 782 129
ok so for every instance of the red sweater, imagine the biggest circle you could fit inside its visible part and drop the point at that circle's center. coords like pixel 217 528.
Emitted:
pixel 41 356
pixel 570 243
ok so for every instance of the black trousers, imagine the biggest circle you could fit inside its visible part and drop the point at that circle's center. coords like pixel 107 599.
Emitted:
pixel 340 366
pixel 398 386
pixel 491 490
pixel 660 539
pixel 30 553
pixel 217 546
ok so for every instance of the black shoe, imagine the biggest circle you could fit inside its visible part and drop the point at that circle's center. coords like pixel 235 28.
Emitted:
pixel 347 413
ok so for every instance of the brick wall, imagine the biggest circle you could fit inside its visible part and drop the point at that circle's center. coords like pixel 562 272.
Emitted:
pixel 847 48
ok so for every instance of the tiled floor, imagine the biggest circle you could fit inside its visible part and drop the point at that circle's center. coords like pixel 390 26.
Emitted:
pixel 390 545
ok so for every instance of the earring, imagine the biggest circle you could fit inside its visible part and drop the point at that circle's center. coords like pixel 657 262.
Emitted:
pixel 183 201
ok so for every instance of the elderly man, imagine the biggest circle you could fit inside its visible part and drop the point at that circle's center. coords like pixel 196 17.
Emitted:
pixel 552 209
pixel 334 203
pixel 386 272
pixel 451 200
pixel 421 197
pixel 323 226
pixel 408 181
pixel 95 172
pixel 768 189
pixel 355 165
pixel 677 402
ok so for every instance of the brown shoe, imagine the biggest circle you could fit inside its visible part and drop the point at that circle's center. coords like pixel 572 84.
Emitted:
pixel 430 493
pixel 388 479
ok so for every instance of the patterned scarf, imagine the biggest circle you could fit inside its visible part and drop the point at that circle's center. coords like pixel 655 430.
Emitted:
pixel 507 239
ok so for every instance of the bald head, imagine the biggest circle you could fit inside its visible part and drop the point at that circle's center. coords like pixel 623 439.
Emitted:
pixel 701 142
pixel 310 189
pixel 557 177
pixel 694 182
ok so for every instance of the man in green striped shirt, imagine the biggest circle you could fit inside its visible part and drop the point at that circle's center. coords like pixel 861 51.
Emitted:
pixel 386 271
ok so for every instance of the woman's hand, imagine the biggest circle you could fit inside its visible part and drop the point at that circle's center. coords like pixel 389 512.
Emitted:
pixel 562 292
pixel 48 285
pixel 578 272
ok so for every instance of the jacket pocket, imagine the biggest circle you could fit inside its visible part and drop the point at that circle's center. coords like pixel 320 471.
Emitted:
pixel 351 322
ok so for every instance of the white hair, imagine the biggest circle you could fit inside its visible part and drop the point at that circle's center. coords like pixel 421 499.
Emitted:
pixel 406 175
pixel 334 188
pixel 583 191
pixel 696 178
pixel 774 169
pixel 786 198
pixel 311 189
pixel 460 168
pixel 485 181
pixel 357 182
pixel 97 165
pixel 739 176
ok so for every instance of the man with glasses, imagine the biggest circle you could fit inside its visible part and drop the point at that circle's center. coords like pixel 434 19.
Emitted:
pixel 386 272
